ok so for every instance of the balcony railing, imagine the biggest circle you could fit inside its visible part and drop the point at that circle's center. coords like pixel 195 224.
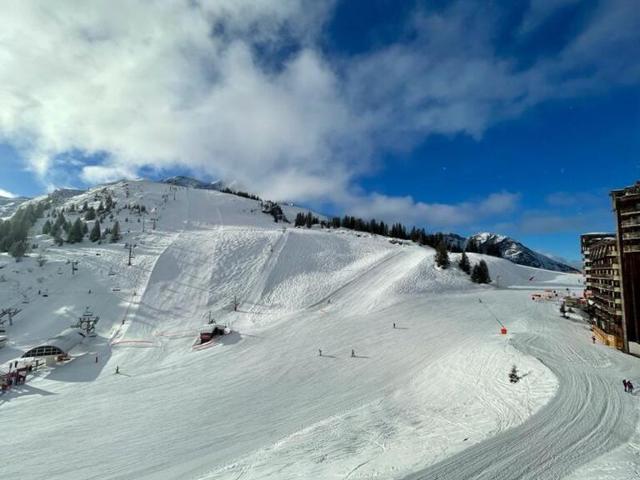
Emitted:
pixel 634 222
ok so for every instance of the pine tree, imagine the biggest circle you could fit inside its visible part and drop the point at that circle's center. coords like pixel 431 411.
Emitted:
pixel 18 249
pixel 115 232
pixel 484 269
pixel 475 273
pixel 75 232
pixel 464 264
pixel 480 273
pixel 514 377
pixel 60 221
pixel 91 214
pixel 95 234
pixel 442 256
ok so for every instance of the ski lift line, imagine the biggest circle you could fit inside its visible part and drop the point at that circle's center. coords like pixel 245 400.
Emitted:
pixel 491 312
pixel 140 343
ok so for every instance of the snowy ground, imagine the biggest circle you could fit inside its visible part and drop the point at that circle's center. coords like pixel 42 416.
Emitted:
pixel 428 398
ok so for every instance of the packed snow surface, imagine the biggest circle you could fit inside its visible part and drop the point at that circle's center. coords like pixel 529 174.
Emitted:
pixel 427 399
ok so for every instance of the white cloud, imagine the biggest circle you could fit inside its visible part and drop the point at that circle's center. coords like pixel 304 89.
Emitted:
pixel 407 210
pixel 541 10
pixel 7 194
pixel 179 83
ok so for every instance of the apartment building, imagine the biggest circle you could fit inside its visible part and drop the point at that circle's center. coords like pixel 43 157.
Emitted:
pixel 626 206
pixel 603 286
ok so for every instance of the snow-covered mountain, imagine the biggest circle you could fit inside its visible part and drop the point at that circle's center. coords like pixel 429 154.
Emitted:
pixel 184 181
pixel 510 249
pixel 9 205
pixel 347 354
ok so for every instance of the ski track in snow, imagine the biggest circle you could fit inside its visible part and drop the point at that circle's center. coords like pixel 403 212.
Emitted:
pixel 589 415
pixel 427 400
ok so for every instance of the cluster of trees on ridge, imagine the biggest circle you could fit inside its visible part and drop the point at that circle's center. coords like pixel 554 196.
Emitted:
pixel 479 273
pixel 395 230
pixel 15 230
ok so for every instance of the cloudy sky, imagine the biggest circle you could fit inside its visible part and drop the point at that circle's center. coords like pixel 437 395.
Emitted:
pixel 462 116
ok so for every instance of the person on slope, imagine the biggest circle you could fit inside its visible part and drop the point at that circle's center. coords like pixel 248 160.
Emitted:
pixel 626 385
pixel 353 353
pixel 629 386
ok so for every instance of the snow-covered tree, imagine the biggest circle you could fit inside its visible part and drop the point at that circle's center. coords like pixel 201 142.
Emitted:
pixel 464 264
pixel 480 273
pixel 442 256
pixel 75 234
pixel 115 232
pixel 95 234
pixel 90 214
pixel 514 377
pixel 18 249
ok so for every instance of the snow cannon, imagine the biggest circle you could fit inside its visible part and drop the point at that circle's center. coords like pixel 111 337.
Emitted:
pixel 503 331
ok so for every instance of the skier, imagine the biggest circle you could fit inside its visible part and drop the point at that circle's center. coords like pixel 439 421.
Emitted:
pixel 629 386
pixel 353 353
pixel 593 339
pixel 626 385
pixel 117 369
pixel 394 325
pixel 319 352
pixel 96 358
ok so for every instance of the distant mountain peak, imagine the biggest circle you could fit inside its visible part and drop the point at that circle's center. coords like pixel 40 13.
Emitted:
pixel 516 252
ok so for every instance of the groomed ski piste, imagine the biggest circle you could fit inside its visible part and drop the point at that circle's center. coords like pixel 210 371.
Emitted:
pixel 428 399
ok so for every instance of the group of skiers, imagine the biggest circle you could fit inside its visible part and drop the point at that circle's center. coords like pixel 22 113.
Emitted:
pixel 628 386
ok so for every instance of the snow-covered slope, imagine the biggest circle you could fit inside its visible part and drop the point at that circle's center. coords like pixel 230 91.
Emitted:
pixel 183 181
pixel 261 402
pixel 516 252
pixel 9 205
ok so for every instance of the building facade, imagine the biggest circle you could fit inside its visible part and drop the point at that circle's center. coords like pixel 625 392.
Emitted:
pixel 626 205
pixel 603 286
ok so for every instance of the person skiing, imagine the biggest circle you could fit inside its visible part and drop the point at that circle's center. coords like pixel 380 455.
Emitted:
pixel 117 369
pixel 629 386
pixel 394 325
pixel 319 352
pixel 353 353
pixel 593 339
pixel 626 385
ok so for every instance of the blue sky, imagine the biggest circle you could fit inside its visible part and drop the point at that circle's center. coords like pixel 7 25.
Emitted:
pixel 515 117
